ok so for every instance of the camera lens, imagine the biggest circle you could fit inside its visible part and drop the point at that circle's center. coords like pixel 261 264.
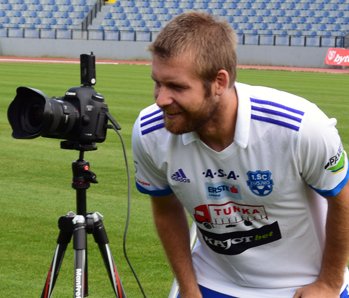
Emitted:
pixel 33 115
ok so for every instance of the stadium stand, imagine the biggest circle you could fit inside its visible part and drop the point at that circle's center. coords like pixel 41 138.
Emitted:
pixel 256 21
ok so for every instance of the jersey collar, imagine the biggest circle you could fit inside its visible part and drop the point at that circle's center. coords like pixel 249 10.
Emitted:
pixel 242 129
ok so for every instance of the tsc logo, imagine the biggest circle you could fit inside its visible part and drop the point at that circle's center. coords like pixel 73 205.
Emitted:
pixel 221 190
pixel 260 182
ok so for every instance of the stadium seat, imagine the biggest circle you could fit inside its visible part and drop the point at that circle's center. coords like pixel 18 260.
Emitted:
pixel 259 20
pixel 37 21
pixel 135 10
pixel 53 22
pixel 264 26
pixel 108 16
pixel 2 13
pixel 291 6
pixel 4 2
pixel 230 19
pixel 223 13
pixel 267 13
pixel 8 6
pixel 288 20
pixel 69 22
pixel 39 8
pixel 273 20
pixel 320 7
pixel 138 17
pixel 70 8
pixel 21 21
pixel 281 13
pixel 67 2
pixel 141 23
pixel 24 7
pixel 49 14
pixel 126 23
pixel 6 20
pixel 322 27
pixel 157 24
pixel 17 14
pixel 111 23
pixel 263 5
pixel 168 18
pixel 82 3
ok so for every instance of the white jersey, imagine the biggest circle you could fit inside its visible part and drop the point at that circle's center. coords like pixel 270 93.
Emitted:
pixel 257 204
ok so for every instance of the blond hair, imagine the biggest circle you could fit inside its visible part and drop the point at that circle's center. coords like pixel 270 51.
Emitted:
pixel 210 42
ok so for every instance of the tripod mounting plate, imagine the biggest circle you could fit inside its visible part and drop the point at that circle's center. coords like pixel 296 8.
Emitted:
pixel 75 145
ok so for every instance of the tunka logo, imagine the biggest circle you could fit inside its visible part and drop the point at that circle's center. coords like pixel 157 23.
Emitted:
pixel 179 176
pixel 220 190
pixel 237 242
pixel 78 283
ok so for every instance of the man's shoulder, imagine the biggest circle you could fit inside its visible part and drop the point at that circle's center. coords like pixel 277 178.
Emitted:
pixel 150 120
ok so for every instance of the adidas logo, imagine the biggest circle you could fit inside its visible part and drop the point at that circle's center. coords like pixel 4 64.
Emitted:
pixel 180 177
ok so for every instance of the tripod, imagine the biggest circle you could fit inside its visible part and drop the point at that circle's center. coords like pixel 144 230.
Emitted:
pixel 79 225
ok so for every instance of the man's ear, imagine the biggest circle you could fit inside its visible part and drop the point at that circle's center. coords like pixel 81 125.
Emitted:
pixel 221 82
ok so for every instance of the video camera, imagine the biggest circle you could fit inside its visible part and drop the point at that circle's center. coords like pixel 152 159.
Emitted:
pixel 79 116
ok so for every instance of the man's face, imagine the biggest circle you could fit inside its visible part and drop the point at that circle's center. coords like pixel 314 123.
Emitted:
pixel 181 95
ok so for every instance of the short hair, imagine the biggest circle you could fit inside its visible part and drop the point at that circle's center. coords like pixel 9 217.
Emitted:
pixel 211 42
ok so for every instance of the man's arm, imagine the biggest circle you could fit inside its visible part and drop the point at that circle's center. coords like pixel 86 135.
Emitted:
pixel 336 252
pixel 173 230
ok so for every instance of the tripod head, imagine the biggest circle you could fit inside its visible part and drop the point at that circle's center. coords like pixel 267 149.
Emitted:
pixel 82 176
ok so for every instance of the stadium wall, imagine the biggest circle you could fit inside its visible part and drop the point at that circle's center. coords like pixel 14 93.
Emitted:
pixel 294 56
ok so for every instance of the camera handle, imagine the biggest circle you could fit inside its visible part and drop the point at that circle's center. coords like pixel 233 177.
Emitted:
pixel 78 226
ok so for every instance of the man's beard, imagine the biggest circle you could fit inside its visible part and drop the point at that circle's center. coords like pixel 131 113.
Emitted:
pixel 193 121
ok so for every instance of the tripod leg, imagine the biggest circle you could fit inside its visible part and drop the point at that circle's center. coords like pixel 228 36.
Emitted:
pixel 101 239
pixel 80 243
pixel 66 232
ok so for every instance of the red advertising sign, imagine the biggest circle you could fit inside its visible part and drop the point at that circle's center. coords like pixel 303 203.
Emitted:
pixel 337 57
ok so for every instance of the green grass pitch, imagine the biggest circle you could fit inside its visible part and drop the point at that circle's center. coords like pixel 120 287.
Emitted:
pixel 35 185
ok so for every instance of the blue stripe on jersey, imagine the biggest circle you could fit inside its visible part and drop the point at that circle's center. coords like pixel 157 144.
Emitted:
pixel 266 114
pixel 150 119
pixel 154 193
pixel 155 127
pixel 151 114
pixel 336 190
pixel 277 122
pixel 268 111
pixel 274 104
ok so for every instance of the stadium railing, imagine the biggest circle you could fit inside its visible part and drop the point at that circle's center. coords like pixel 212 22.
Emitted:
pixel 141 34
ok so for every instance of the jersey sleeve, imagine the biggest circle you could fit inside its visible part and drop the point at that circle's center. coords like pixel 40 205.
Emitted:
pixel 150 178
pixel 323 161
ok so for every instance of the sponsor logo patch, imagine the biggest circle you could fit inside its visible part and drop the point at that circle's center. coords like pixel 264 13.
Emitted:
pixel 260 182
pixel 220 190
pixel 235 243
pixel 179 176
pixel 336 163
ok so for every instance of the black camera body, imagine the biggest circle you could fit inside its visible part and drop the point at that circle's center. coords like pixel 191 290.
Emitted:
pixel 80 116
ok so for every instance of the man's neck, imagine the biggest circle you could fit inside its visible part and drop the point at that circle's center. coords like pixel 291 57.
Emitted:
pixel 219 133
